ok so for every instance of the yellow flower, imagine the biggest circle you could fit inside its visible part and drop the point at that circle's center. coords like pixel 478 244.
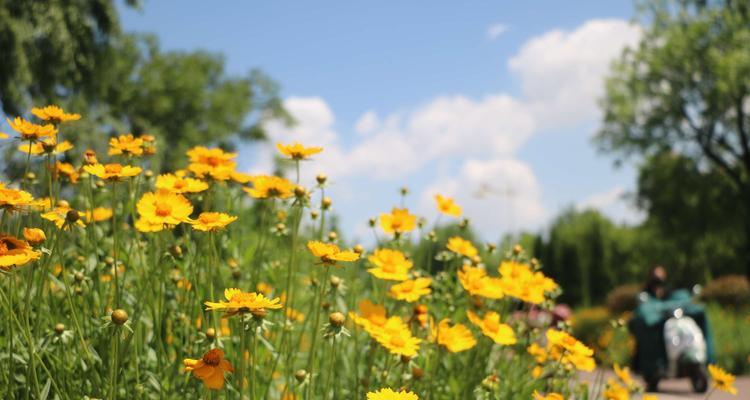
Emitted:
pixel 398 221
pixel 649 397
pixel 615 391
pixel 67 170
pixel 296 151
pixel 411 290
pixel 15 252
pixel 722 380
pixel 519 281
pixel 462 247
pixel 397 338
pixel 536 372
pixel 34 236
pixel 624 375
pixel 59 216
pixel 564 347
pixel 14 200
pixel 548 396
pixel 162 208
pixel 210 369
pixel 266 186
pixel 214 163
pixel 212 221
pixel 446 206
pixel 491 327
pixel 98 214
pixel 47 146
pixel 126 144
pixel 371 316
pixel 390 265
pixel 329 253
pixel 54 114
pixel 455 338
pixel 388 394
pixel 240 302
pixel 112 172
pixel 180 184
pixel 31 131
pixel 538 352
pixel 477 283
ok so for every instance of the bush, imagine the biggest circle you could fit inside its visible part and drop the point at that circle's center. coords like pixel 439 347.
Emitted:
pixel 729 291
pixel 611 341
pixel 623 298
pixel 731 329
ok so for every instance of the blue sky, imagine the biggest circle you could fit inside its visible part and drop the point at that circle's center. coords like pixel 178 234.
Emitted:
pixel 491 102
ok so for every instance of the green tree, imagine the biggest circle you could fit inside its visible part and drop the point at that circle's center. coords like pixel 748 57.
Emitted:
pixel 685 89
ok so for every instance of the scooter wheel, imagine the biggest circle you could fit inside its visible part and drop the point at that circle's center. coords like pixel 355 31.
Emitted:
pixel 699 378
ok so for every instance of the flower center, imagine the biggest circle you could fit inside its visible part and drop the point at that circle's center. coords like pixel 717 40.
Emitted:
pixel 113 168
pixel 397 341
pixel 208 218
pixel 180 184
pixel 212 358
pixel 407 286
pixel 163 210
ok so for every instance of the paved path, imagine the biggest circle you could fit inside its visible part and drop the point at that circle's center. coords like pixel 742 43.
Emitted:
pixel 675 389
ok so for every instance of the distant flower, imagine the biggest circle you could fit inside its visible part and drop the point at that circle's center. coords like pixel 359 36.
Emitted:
pixel 411 290
pixel 722 380
pixel 67 170
pixel 212 163
pixel 210 369
pixel 267 186
pixel 112 172
pixel 14 199
pixel 390 265
pixel 624 375
pixel 371 316
pixel 180 184
pixel 615 391
pixel 34 236
pixel 239 302
pixel 548 396
pixel 212 221
pixel 15 252
pixel 98 214
pixel 519 281
pixel 46 146
pixel 398 221
pixel 462 247
pixel 455 338
pixel 538 352
pixel 329 253
pixel 396 337
pixel 446 206
pixel 31 131
pixel 477 283
pixel 569 350
pixel 128 145
pixel 163 208
pixel 388 394
pixel 54 114
pixel 296 151
pixel 493 328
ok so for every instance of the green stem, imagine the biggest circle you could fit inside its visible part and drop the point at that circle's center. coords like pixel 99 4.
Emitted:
pixel 115 363
pixel 115 244
pixel 315 328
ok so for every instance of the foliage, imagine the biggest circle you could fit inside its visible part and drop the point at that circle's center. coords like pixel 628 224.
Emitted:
pixel 623 298
pixel 729 291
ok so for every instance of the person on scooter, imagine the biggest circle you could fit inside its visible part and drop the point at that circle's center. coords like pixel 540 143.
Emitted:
pixel 673 337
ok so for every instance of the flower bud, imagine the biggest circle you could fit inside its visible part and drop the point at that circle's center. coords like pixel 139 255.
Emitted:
pixel 63 204
pixel 372 222
pixel 332 236
pixel 404 190
pixel 148 173
pixel 321 178
pixel 30 176
pixel 314 214
pixel 79 277
pixel 300 375
pixel 280 226
pixel 517 249
pixel 300 192
pixel 119 316
pixel 59 329
pixel 175 251
pixel 417 373
pixel 326 203
pixel 405 359
pixel 335 281
pixel 211 334
pixel 337 319
pixel 359 249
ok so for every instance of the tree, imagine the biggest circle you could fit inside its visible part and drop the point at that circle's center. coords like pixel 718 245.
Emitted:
pixel 685 89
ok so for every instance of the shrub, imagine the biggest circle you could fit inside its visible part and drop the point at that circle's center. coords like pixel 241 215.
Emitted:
pixel 623 298
pixel 729 290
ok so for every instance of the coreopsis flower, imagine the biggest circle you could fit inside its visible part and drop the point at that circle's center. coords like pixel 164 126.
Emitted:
pixel 98 214
pixel 67 170
pixel 46 146
pixel 615 391
pixel 462 247
pixel 411 290
pixel 296 151
pixel 64 217
pixel 89 156
pixel 34 236
pixel 210 369
pixel 390 265
pixel 128 145
pixel 162 208
pixel 493 328
pixel 446 206
pixel 211 162
pixel 519 281
pixel 538 352
pixel 548 396
pixel 180 184
pixel 329 253
pixel 389 394
pixel 396 337
pixel 371 316
pixel 212 221
pixel 398 221
pixel 455 338
pixel 569 350
pixel 475 281
pixel 722 380
pixel 241 302
pixel 14 199
pixel 15 252
pixel 624 375
pixel 112 172
pixel 31 131
pixel 54 114
pixel 268 186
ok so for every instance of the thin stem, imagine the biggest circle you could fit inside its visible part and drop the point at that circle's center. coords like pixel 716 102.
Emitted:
pixel 115 363
pixel 115 243
pixel 315 328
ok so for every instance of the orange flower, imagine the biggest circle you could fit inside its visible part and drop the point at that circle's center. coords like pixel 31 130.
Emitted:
pixel 210 369
pixel 477 283
pixel 98 214
pixel 54 114
pixel 180 184
pixel 112 172
pixel 67 170
pixel 161 209
pixel 46 146
pixel 455 338
pixel 31 131
pixel 34 236
pixel 411 290
pixel 13 199
pixel 212 221
pixel 64 217
pixel 239 301
pixel 446 206
pixel 126 144
pixel 265 186
pixel 15 252
pixel 329 253
pixel 296 151
pixel 371 316
pixel 491 327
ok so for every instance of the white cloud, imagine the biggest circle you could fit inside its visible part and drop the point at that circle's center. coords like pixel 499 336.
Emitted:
pixel 562 72
pixel 614 203
pixel 494 31
pixel 367 123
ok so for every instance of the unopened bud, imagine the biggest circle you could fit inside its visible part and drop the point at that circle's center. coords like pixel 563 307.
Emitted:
pixel 326 203
pixel 335 281
pixel 372 222
pixel 211 334
pixel 337 319
pixel 300 192
pixel 332 236
pixel 321 178
pixel 359 249
pixel 119 316
pixel 517 249
pixel 300 375
pixel 59 329
pixel 314 214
